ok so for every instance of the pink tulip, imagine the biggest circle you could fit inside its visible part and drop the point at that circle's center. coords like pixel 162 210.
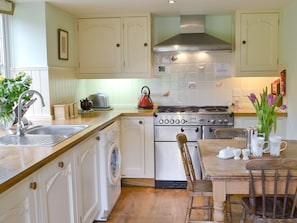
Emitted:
pixel 252 97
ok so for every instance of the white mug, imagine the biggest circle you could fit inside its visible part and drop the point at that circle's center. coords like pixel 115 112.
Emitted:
pixel 258 145
pixel 276 145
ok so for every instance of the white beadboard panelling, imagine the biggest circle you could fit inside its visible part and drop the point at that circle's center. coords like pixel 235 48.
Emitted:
pixel 40 82
pixel 62 85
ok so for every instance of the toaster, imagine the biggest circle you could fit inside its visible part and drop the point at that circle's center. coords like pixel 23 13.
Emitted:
pixel 100 100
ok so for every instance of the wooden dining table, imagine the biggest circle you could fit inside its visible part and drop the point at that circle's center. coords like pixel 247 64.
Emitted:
pixel 229 176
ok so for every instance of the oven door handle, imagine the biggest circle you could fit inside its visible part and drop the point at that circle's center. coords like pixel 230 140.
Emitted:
pixel 183 129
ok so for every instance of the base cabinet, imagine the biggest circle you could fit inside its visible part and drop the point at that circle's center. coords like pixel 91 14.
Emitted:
pixel 87 173
pixel 137 146
pixel 20 203
pixel 245 122
pixel 57 187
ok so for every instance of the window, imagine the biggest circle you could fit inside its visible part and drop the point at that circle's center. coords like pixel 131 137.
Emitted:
pixel 4 45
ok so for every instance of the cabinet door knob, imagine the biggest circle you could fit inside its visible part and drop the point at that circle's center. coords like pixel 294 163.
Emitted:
pixel 243 42
pixel 118 45
pixel 140 122
pixel 98 138
pixel 61 164
pixel 33 185
pixel 145 44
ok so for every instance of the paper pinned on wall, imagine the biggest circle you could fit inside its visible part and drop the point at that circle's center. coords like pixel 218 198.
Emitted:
pixel 222 70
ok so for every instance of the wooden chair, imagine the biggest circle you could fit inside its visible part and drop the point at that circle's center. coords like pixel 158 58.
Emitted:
pixel 274 200
pixel 195 187
pixel 231 133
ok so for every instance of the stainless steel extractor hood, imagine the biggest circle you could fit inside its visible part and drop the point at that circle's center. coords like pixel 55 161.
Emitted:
pixel 192 38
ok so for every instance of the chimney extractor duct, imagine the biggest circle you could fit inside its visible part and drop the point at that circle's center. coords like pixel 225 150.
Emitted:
pixel 192 38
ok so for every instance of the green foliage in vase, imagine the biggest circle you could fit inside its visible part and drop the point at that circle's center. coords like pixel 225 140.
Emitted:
pixel 10 90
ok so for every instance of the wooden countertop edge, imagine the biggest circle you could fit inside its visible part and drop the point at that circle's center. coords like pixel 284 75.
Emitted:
pixel 62 148
pixel 249 114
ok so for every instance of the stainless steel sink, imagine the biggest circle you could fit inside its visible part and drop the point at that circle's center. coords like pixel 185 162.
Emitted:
pixel 65 130
pixel 31 140
pixel 44 135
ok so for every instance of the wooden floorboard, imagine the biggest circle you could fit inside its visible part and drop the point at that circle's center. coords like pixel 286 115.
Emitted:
pixel 150 205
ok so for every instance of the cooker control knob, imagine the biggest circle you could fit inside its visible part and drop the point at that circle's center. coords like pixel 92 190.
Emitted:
pixel 171 121
pixel 226 121
pixel 220 121
pixel 183 121
pixel 161 121
pixel 177 121
pixel 166 121
pixel 212 121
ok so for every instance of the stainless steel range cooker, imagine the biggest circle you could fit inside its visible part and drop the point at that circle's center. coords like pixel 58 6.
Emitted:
pixel 197 123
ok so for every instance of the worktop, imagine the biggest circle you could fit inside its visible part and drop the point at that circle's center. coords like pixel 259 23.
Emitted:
pixel 18 162
pixel 250 111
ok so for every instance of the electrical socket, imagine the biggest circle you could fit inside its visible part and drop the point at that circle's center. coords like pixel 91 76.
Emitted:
pixel 192 84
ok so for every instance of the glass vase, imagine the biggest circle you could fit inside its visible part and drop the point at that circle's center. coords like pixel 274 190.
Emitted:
pixel 265 131
pixel 6 119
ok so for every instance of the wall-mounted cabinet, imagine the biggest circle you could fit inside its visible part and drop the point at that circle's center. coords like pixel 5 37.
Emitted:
pixel 117 47
pixel 257 43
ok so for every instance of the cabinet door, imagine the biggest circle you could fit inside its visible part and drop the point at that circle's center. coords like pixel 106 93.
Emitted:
pixel 257 43
pixel 100 45
pixel 132 147
pixel 20 203
pixel 87 166
pixel 58 199
pixel 136 45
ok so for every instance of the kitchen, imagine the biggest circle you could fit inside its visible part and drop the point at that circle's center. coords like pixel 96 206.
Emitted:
pixel 167 89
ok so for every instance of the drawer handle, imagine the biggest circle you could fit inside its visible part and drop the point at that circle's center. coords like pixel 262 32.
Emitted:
pixel 145 44
pixel 140 122
pixel 61 164
pixel 33 185
pixel 118 45
pixel 243 42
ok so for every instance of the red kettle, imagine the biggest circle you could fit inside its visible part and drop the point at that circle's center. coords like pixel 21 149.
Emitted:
pixel 145 102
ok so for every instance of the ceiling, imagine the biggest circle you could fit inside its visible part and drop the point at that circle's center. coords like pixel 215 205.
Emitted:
pixel 81 8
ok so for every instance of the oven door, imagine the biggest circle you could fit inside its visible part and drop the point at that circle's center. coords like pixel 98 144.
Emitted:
pixel 208 131
pixel 169 165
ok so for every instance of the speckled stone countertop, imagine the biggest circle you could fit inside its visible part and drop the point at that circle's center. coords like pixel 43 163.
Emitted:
pixel 18 162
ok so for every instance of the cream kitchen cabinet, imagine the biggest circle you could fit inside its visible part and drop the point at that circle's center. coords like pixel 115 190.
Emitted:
pixel 87 181
pixel 21 202
pixel 114 47
pixel 257 43
pixel 251 121
pixel 137 147
pixel 57 190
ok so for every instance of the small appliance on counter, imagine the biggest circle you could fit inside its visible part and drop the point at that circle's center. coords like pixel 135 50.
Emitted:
pixel 100 101
pixel 86 105
pixel 145 102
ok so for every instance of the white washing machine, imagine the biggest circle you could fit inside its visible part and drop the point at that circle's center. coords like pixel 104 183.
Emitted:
pixel 110 169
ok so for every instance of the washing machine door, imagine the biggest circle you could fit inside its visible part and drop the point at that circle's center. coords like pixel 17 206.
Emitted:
pixel 114 164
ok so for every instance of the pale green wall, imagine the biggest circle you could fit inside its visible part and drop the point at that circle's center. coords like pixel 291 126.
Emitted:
pixel 58 19
pixel 29 35
pixel 35 36
pixel 289 57
pixel 218 26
